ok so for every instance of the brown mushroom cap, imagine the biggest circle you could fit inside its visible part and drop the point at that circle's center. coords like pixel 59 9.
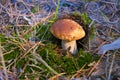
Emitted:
pixel 67 29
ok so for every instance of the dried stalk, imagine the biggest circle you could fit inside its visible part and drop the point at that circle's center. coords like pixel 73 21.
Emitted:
pixel 3 62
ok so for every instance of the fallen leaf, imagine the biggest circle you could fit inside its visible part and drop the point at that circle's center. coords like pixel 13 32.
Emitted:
pixel 112 46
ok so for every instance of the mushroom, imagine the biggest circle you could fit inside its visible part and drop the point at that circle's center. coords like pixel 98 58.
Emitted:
pixel 68 31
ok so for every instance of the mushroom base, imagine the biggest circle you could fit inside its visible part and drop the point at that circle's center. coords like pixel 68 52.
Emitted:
pixel 71 46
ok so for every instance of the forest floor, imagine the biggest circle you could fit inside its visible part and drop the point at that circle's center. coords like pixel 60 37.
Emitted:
pixel 28 51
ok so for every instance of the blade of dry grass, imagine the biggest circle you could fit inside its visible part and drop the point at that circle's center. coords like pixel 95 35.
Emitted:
pixel 39 58
pixel 3 62
pixel 95 65
pixel 31 49
pixel 111 66
pixel 106 66
pixel 78 72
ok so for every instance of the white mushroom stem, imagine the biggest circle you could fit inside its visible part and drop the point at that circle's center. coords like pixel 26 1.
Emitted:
pixel 70 45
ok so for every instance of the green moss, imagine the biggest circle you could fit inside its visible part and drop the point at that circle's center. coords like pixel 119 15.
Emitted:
pixel 92 32
pixel 61 63
pixel 87 21
pixel 85 18
pixel 58 62
pixel 2 38
pixel 34 9
pixel 27 36
pixel 13 54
